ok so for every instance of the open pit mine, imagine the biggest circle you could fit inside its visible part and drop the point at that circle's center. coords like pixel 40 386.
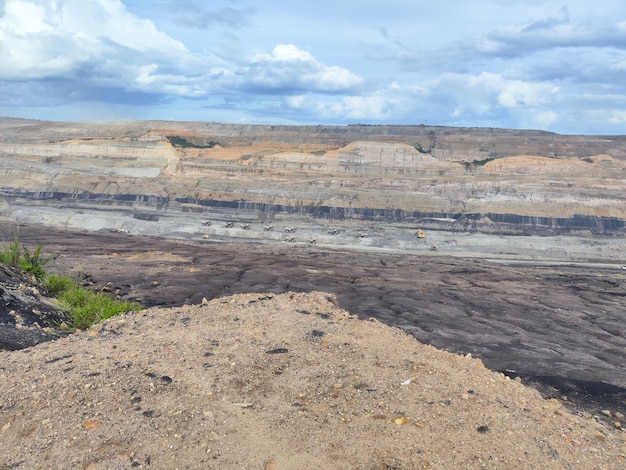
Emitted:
pixel 509 245
pixel 459 191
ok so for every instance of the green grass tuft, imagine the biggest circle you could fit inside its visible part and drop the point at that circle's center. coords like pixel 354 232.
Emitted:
pixel 34 263
pixel 83 307
pixel 86 308
pixel 10 255
pixel 55 284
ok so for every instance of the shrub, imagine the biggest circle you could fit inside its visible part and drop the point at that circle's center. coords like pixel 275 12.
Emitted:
pixel 10 255
pixel 34 263
pixel 83 307
pixel 178 141
pixel 57 284
pixel 27 261
pixel 86 308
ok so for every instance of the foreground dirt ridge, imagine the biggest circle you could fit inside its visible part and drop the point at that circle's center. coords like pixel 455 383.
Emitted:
pixel 270 381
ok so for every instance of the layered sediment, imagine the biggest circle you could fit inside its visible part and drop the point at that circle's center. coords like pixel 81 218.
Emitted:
pixel 447 179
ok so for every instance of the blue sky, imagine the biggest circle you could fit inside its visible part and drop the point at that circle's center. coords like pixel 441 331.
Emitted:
pixel 532 64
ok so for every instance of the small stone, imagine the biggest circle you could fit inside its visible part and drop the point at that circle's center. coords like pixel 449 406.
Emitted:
pixel 205 301
pixel 401 420
pixel 618 425
pixel 277 351
pixel 619 415
pixel 271 464
pixel 483 429
pixel 606 413
pixel 465 396
pixel 597 436
pixel 92 424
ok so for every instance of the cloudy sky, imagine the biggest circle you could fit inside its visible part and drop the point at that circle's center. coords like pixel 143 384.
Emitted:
pixel 538 64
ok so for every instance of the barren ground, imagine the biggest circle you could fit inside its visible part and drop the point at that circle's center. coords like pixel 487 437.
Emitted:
pixel 271 371
pixel 559 327
pixel 290 381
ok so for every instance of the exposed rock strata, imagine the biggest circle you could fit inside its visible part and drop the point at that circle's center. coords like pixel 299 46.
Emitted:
pixel 572 183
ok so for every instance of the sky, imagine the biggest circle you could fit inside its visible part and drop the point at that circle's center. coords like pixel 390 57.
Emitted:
pixel 523 64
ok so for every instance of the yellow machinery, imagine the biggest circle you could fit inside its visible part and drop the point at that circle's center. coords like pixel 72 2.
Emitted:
pixel 420 233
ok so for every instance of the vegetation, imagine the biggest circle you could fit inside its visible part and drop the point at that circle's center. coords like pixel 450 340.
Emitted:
pixel 83 307
pixel 476 163
pixel 30 262
pixel 10 255
pixel 432 141
pixel 178 141
pixel 34 263
pixel 482 162
pixel 86 308
pixel 56 285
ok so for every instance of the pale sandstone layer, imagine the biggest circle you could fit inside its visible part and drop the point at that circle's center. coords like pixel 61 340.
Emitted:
pixel 444 178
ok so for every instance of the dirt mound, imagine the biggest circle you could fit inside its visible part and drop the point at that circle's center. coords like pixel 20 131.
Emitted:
pixel 278 382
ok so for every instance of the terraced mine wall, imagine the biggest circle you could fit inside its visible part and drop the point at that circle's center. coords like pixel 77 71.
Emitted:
pixel 355 178
pixel 148 207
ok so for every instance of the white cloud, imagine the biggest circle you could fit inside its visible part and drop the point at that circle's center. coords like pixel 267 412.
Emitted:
pixel 391 102
pixel 481 93
pixel 96 41
pixel 617 117
pixel 548 34
pixel 290 68
pixel 372 107
pixel 516 93
pixel 179 85
pixel 26 17
pixel 546 119
pixel 500 63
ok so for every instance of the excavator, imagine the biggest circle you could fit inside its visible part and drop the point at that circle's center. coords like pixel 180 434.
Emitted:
pixel 420 233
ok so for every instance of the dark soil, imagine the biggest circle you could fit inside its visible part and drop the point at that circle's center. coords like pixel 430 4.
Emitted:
pixel 26 314
pixel 560 328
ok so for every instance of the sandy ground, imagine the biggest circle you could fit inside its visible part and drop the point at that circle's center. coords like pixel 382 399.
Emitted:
pixel 290 381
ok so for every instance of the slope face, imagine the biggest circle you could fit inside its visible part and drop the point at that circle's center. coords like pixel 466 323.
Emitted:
pixel 475 179
pixel 276 381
